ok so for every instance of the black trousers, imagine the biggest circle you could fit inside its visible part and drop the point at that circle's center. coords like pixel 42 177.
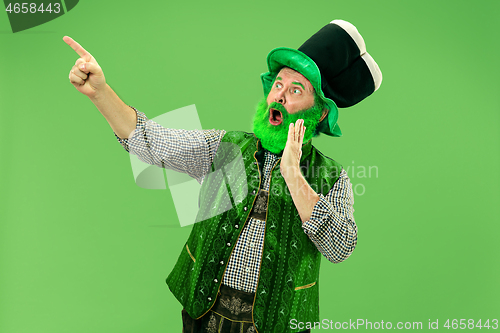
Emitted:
pixel 231 313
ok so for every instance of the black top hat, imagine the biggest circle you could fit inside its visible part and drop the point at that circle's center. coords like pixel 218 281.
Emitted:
pixel 336 63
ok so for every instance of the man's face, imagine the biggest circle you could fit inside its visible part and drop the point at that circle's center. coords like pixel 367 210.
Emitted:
pixel 292 90
pixel 292 97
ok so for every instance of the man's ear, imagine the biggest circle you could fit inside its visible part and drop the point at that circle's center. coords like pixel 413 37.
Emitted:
pixel 323 116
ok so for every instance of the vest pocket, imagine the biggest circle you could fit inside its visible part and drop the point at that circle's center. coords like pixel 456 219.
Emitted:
pixel 189 252
pixel 306 286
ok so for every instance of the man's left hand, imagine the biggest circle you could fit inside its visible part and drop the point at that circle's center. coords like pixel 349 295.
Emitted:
pixel 290 161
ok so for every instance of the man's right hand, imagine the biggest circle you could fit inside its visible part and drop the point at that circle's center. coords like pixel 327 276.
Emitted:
pixel 86 75
pixel 90 81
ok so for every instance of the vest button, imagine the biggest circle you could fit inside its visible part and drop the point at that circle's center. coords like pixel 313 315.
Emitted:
pixel 221 262
pixel 253 192
pixel 215 280
pixel 209 299
pixel 245 208
pixel 237 226
pixel 228 244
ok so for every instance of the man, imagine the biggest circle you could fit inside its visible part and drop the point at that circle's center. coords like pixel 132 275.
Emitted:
pixel 254 267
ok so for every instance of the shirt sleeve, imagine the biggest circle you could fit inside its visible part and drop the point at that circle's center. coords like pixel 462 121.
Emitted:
pixel 187 151
pixel 332 227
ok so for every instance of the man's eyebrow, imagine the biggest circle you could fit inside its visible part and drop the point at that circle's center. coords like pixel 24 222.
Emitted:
pixel 279 78
pixel 300 84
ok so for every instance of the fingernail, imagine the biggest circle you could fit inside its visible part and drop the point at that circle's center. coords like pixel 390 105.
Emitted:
pixel 82 66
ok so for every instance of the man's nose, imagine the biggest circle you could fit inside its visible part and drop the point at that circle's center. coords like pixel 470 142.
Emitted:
pixel 280 98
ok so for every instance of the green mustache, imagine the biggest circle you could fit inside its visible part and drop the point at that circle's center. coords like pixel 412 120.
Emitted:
pixel 279 107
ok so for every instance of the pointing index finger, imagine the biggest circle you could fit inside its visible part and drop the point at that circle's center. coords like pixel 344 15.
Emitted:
pixel 77 47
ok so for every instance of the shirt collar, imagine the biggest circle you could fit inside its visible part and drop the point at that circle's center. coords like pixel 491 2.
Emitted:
pixel 306 149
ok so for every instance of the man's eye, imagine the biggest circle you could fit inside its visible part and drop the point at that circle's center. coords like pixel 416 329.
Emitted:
pixel 278 85
pixel 296 91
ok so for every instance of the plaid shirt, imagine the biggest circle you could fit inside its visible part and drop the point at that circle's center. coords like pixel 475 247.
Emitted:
pixel 331 226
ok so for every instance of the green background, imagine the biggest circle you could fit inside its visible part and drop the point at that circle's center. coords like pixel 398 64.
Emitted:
pixel 84 249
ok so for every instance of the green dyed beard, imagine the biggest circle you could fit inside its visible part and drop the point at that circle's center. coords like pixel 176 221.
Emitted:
pixel 274 137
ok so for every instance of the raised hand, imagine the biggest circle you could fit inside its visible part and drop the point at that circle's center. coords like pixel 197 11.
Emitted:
pixel 86 75
pixel 290 161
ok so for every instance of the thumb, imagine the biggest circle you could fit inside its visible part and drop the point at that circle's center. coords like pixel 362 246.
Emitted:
pixel 90 67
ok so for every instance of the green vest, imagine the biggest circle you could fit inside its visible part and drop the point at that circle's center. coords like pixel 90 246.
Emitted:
pixel 288 281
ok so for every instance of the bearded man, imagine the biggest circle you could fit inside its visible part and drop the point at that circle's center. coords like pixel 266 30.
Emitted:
pixel 254 267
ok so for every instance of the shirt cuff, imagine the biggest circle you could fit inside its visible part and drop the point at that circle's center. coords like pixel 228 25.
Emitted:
pixel 138 130
pixel 319 215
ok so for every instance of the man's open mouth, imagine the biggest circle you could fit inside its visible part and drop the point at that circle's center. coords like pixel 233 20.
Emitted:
pixel 275 117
